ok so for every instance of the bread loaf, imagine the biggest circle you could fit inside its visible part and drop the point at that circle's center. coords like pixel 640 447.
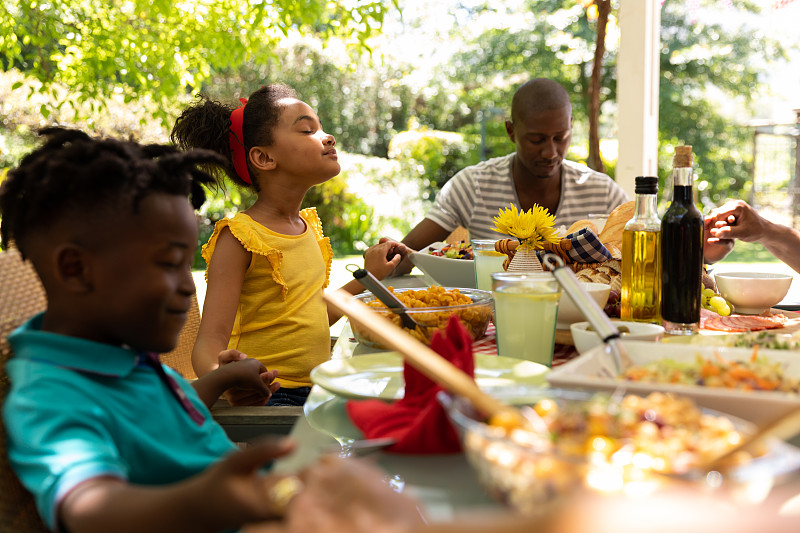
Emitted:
pixel 612 232
pixel 583 223
pixel 607 272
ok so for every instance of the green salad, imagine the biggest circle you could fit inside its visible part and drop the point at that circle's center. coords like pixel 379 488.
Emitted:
pixel 755 373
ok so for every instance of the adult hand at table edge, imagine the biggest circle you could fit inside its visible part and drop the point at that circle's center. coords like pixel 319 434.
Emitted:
pixel 234 487
pixel 350 496
pixel 673 509
pixel 736 219
pixel 714 249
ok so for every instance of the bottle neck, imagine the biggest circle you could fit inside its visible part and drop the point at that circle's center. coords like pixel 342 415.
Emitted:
pixel 683 194
pixel 682 176
pixel 645 207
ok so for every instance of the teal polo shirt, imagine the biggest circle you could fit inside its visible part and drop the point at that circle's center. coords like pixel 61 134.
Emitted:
pixel 78 409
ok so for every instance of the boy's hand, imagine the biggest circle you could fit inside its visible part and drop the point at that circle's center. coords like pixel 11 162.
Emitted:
pixel 382 258
pixel 234 489
pixel 249 382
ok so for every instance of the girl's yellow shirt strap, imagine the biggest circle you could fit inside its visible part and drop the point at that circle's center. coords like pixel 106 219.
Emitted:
pixel 242 227
pixel 309 214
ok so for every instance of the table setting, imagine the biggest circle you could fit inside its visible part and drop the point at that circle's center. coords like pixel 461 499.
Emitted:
pixel 459 423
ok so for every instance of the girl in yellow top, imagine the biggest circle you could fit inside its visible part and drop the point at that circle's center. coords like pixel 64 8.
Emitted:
pixel 269 264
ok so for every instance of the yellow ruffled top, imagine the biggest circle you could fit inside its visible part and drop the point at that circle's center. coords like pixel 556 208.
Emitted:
pixel 281 319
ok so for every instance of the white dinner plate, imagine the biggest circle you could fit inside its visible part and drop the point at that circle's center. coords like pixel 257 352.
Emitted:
pixel 380 375
pixel 755 406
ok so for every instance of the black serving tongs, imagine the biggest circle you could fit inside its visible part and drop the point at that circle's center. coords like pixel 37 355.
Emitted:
pixel 384 295
pixel 592 311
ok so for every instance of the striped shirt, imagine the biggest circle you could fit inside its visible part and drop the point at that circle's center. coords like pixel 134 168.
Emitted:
pixel 474 196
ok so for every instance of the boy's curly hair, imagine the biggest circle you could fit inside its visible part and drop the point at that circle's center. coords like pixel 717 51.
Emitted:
pixel 73 174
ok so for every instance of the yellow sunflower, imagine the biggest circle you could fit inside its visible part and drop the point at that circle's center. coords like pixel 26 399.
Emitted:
pixel 531 228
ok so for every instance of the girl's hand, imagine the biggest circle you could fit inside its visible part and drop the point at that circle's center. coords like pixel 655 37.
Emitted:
pixel 382 258
pixel 229 356
pixel 381 261
pixel 247 380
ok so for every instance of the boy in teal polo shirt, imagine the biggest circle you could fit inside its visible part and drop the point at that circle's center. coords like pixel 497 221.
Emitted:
pixel 103 435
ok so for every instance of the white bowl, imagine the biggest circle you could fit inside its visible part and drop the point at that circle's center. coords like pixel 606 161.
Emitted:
pixel 445 271
pixel 568 312
pixel 585 339
pixel 752 293
pixel 758 406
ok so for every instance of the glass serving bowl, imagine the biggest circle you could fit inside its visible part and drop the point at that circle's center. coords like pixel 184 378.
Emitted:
pixel 585 448
pixel 474 316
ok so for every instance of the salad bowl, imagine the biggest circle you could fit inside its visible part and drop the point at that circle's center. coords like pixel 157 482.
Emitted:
pixel 446 264
pixel 611 443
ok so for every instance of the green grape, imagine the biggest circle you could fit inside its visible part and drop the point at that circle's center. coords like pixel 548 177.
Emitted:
pixel 714 302
pixel 717 302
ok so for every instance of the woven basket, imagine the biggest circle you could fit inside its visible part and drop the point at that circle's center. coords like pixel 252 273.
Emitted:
pixel 22 296
pixel 607 272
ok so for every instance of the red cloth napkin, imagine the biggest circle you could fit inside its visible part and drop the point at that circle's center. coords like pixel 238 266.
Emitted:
pixel 418 421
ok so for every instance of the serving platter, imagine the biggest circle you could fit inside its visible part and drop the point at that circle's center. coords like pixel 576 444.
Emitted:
pixel 380 375
pixel 756 406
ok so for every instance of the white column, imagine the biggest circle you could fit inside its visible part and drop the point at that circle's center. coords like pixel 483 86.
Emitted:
pixel 637 90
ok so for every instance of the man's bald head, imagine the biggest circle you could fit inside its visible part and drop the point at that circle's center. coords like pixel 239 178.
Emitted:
pixel 537 95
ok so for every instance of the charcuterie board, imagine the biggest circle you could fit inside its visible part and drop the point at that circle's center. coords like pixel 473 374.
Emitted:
pixel 785 337
pixel 776 320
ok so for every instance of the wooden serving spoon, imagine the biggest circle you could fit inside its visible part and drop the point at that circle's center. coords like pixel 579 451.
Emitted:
pixel 782 427
pixel 434 366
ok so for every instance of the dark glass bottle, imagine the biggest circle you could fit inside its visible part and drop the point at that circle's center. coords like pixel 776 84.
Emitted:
pixel 640 297
pixel 681 251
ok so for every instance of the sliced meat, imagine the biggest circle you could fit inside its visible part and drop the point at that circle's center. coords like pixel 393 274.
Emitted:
pixel 738 323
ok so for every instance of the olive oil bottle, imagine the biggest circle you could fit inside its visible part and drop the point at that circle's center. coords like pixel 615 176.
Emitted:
pixel 640 297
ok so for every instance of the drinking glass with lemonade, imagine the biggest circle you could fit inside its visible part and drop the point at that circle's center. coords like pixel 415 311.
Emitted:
pixel 525 311
pixel 486 260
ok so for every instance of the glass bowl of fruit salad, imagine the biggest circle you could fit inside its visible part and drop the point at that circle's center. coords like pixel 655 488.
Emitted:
pixel 448 265
pixel 620 443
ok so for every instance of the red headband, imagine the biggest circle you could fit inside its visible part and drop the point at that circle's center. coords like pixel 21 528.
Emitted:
pixel 236 140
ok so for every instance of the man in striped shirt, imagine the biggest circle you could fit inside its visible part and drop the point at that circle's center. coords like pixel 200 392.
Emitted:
pixel 536 173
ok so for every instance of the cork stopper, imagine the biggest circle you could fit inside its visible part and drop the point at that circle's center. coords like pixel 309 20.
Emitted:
pixel 683 157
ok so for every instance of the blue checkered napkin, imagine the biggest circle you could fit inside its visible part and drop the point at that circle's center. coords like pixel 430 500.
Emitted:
pixel 587 248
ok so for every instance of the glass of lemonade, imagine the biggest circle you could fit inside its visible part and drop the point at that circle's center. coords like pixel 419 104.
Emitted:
pixel 525 313
pixel 486 261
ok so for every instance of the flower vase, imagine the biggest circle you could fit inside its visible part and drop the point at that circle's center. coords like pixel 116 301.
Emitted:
pixel 525 260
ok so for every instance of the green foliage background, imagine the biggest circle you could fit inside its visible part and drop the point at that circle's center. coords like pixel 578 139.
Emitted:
pixel 127 69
